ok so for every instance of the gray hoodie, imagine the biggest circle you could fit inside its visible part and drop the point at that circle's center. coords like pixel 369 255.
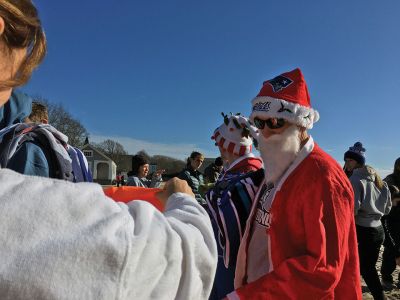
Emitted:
pixel 370 202
pixel 64 240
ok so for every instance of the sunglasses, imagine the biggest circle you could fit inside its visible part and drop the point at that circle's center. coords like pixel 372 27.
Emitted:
pixel 272 123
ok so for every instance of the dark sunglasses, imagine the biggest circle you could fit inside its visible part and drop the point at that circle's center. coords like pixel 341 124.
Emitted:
pixel 272 123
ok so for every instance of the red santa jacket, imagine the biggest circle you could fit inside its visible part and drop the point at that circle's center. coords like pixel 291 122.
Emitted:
pixel 313 246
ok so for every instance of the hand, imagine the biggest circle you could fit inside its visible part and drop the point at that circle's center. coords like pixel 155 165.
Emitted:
pixel 174 185
pixel 398 261
pixel 159 172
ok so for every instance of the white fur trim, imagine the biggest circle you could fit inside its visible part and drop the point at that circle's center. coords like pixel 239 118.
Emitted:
pixel 268 107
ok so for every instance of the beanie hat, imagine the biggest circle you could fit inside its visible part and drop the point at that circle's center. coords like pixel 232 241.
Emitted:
pixel 234 135
pixel 356 152
pixel 286 96
pixel 219 162
pixel 137 161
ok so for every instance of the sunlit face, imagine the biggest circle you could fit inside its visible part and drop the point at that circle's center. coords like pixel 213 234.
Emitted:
pixel 9 65
pixel 196 162
pixel 350 165
pixel 271 126
pixel 143 170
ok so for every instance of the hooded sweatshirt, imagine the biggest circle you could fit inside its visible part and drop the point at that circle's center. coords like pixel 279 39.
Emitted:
pixel 371 203
pixel 15 110
pixel 30 158
pixel 63 240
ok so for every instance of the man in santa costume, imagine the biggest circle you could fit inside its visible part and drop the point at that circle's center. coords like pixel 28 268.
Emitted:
pixel 299 241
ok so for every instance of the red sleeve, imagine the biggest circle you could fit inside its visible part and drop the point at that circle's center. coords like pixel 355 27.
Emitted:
pixel 326 215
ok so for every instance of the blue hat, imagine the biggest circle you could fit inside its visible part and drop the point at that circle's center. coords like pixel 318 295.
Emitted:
pixel 356 152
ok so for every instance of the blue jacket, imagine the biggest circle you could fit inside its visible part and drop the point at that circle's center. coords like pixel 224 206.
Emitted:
pixel 15 110
pixel 195 180
pixel 30 158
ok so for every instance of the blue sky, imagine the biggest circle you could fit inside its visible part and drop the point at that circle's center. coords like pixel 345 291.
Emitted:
pixel 155 75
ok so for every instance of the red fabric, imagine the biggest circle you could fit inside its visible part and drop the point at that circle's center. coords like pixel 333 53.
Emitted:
pixel 216 134
pixel 295 92
pixel 221 142
pixel 313 237
pixel 247 165
pixel 129 193
pixel 231 147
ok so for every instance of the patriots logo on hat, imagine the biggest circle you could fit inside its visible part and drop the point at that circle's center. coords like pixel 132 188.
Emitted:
pixel 279 83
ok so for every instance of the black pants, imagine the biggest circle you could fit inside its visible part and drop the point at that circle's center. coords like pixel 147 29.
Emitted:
pixel 388 263
pixel 370 240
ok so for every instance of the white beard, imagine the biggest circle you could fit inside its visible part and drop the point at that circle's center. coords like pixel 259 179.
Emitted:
pixel 278 152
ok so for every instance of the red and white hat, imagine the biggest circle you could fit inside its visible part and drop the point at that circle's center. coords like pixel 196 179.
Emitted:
pixel 234 135
pixel 286 96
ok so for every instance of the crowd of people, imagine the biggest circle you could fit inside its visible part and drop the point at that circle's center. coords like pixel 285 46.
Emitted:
pixel 290 223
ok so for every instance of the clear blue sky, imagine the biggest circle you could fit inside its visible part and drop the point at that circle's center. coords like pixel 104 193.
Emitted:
pixel 156 74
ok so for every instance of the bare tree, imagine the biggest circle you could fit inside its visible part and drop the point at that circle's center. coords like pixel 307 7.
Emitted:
pixel 112 149
pixel 169 164
pixel 63 121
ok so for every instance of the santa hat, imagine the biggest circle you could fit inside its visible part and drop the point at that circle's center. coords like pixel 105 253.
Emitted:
pixel 234 135
pixel 286 96
pixel 356 152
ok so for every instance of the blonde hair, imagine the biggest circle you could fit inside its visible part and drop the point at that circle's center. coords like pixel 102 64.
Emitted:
pixel 378 180
pixel 22 30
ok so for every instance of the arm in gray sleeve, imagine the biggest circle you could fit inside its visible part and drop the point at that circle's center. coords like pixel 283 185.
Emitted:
pixel 63 239
pixel 177 251
pixel 358 194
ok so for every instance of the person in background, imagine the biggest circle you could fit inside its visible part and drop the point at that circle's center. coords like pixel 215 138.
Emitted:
pixel 60 240
pixel 39 114
pixel 394 178
pixel 391 224
pixel 371 202
pixel 193 176
pixel 354 158
pixel 298 238
pixel 80 167
pixel 118 179
pixel 139 172
pixel 212 172
pixel 234 141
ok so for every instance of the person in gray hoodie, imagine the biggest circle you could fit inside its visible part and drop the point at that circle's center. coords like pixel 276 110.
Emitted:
pixel 64 240
pixel 371 202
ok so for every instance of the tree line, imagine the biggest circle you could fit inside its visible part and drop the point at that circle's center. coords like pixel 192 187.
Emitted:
pixel 76 132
